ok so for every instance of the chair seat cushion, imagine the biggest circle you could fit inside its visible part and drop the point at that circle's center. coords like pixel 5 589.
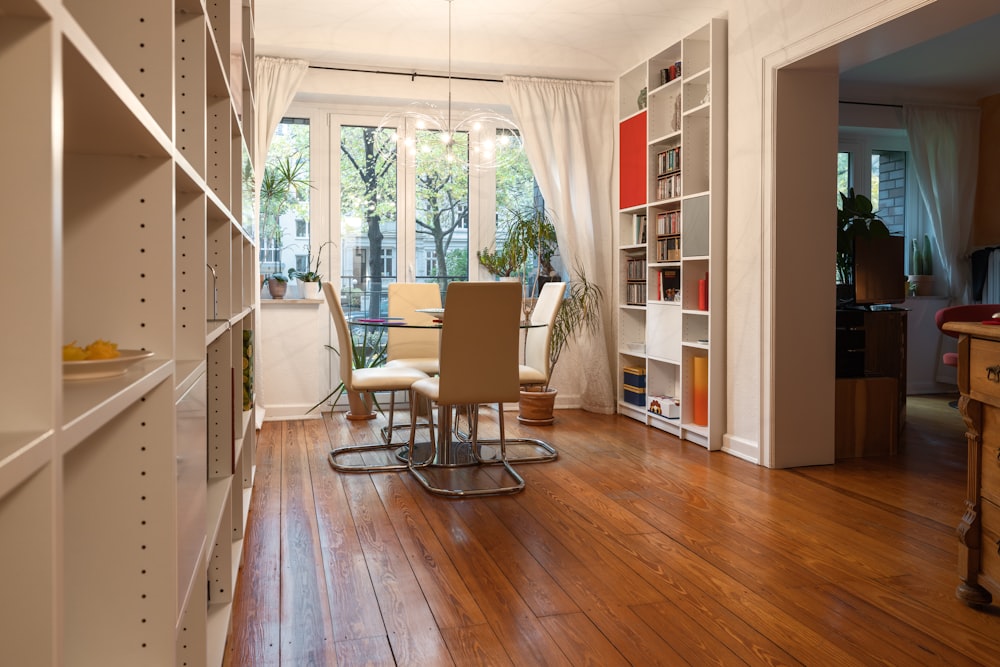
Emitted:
pixel 950 359
pixel 385 378
pixel 429 365
pixel 429 387
pixel 530 375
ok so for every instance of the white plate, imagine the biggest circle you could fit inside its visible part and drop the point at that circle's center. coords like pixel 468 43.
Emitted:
pixel 436 312
pixel 95 369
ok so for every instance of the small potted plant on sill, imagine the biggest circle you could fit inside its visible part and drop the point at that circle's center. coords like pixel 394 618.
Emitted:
pixel 277 285
pixel 921 281
pixel 309 280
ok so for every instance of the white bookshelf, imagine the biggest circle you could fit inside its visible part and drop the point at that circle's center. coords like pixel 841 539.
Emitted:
pixel 122 185
pixel 662 339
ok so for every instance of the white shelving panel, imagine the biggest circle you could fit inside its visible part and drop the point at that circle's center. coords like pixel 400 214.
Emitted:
pixel 129 136
pixel 661 341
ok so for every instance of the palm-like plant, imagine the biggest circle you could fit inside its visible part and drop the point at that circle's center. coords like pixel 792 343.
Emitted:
pixel 285 180
pixel 580 311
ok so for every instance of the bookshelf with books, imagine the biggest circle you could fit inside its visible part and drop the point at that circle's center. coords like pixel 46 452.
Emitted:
pixel 674 237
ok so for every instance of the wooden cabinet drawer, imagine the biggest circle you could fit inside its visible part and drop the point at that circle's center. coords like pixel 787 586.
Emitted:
pixel 990 514
pixel 990 485
pixel 984 370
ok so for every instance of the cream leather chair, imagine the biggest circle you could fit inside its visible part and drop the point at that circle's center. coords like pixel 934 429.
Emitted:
pixel 362 380
pixel 416 348
pixel 535 371
pixel 479 347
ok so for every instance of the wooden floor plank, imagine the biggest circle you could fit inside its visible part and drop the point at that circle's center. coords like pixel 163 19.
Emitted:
pixel 354 608
pixel 632 548
pixel 255 640
pixel 306 626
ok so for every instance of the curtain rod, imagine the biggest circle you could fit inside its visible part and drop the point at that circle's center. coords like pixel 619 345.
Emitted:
pixel 412 75
pixel 872 104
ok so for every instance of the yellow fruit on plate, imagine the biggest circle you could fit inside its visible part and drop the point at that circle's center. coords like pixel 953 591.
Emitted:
pixel 73 352
pixel 99 349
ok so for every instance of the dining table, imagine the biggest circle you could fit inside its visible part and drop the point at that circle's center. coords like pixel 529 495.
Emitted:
pixel 458 452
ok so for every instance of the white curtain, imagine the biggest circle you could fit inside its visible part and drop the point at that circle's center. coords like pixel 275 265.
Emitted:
pixel 568 128
pixel 944 143
pixel 276 81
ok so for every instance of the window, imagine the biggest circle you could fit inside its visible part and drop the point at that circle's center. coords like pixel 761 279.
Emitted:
pixel 302 263
pixel 285 197
pixel 876 164
pixel 430 262
pixel 420 218
pixel 388 262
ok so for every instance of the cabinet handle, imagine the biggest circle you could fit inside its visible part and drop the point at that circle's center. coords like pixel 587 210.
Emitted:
pixel 993 373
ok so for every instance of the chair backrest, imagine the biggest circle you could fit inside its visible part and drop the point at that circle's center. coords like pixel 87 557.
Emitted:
pixel 974 312
pixel 345 348
pixel 479 342
pixel 404 299
pixel 538 339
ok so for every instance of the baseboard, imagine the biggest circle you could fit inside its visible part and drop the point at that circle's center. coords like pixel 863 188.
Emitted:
pixel 741 448
pixel 290 411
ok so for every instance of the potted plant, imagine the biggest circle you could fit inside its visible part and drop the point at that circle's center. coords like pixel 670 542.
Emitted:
pixel 506 260
pixel 922 279
pixel 309 280
pixel 531 229
pixel 277 285
pixel 580 312
pixel 855 218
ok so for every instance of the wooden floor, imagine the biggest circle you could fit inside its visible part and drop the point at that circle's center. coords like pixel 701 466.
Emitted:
pixel 632 549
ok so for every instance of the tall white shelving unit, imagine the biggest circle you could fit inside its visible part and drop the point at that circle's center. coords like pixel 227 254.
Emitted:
pixel 122 500
pixel 672 163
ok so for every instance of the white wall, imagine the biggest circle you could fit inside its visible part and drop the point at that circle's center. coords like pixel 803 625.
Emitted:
pixel 762 39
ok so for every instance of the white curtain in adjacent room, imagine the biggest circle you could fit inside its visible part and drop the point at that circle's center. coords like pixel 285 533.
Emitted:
pixel 568 129
pixel 944 142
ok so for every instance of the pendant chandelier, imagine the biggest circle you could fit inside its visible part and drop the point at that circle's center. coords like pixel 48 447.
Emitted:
pixel 492 139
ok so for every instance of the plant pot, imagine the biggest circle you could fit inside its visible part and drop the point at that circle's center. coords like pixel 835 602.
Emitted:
pixel 535 406
pixel 360 406
pixel 921 285
pixel 276 288
pixel 309 290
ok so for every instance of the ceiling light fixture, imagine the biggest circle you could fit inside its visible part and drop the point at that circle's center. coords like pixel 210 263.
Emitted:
pixel 493 139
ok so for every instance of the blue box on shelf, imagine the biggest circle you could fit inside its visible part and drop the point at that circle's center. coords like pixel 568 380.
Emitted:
pixel 635 395
pixel 635 377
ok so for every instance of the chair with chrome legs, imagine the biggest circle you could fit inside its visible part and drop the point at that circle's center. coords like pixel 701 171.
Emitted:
pixel 536 370
pixel 362 380
pixel 413 347
pixel 479 343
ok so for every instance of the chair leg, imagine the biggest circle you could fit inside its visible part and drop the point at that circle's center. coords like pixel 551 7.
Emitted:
pixel 456 473
pixel 545 451
pixel 339 452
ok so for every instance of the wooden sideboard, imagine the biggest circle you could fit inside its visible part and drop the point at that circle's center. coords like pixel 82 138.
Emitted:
pixel 979 529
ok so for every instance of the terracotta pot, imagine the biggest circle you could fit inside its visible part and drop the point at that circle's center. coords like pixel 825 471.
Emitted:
pixel 360 406
pixel 536 406
pixel 276 288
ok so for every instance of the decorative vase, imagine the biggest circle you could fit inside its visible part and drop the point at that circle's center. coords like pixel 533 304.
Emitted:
pixel 309 290
pixel 360 406
pixel 536 406
pixel 276 288
pixel 641 101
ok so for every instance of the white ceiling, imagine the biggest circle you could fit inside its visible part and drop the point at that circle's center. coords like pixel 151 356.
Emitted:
pixel 576 39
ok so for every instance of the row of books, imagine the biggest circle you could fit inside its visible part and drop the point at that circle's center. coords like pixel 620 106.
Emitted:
pixel 668 284
pixel 668 222
pixel 668 249
pixel 668 74
pixel 635 269
pixel 668 161
pixel 635 293
pixel 668 187
pixel 638 228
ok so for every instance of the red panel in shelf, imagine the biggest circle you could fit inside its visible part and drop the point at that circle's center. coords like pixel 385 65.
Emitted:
pixel 632 163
